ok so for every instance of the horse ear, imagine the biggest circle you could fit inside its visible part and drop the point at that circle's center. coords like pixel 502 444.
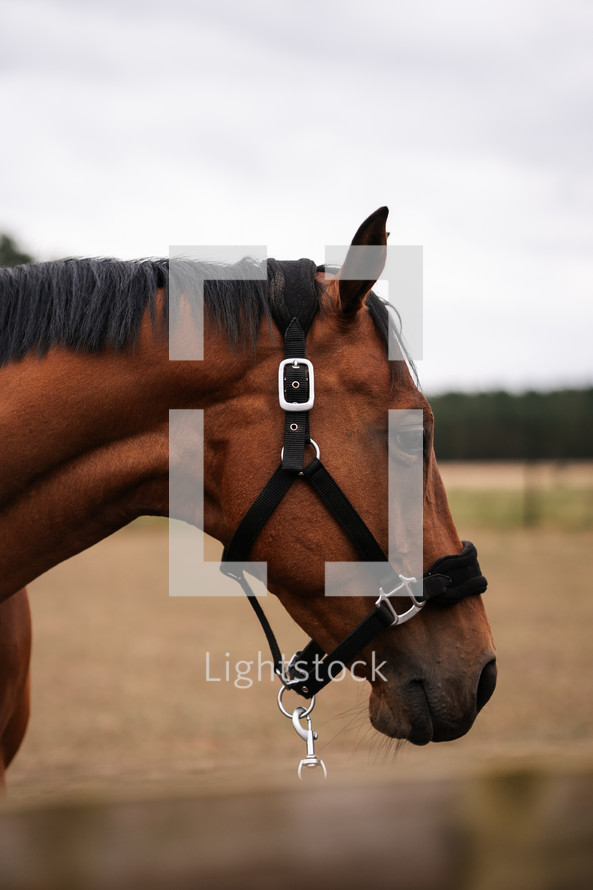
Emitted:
pixel 362 268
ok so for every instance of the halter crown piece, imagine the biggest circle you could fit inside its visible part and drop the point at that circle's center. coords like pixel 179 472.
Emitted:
pixel 294 304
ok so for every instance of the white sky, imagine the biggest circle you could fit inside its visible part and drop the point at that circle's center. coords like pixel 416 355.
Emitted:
pixel 130 125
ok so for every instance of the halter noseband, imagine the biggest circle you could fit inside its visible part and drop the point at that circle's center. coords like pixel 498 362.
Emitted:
pixel 294 304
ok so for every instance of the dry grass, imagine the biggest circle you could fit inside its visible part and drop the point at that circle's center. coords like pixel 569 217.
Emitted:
pixel 507 495
pixel 514 476
pixel 121 701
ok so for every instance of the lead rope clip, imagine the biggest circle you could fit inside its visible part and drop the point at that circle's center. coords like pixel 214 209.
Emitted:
pixel 311 761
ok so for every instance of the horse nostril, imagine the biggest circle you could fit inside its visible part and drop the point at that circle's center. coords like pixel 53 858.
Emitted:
pixel 486 684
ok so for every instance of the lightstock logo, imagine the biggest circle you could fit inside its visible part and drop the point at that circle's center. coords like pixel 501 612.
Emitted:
pixel 195 275
pixel 242 673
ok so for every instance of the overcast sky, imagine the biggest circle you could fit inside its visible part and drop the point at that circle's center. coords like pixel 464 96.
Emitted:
pixel 131 125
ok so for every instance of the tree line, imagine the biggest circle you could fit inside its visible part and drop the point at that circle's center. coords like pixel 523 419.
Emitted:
pixel 505 426
pixel 11 254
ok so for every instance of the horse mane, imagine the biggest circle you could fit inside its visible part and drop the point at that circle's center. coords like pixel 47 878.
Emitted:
pixel 92 304
pixel 89 305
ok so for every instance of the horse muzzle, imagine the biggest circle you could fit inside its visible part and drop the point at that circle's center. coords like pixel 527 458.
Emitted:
pixel 424 710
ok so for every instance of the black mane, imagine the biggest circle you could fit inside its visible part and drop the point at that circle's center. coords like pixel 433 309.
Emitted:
pixel 93 304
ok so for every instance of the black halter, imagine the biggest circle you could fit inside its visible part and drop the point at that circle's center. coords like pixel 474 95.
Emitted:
pixel 294 304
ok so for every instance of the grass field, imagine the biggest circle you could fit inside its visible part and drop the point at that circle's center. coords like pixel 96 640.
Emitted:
pixel 508 495
pixel 122 702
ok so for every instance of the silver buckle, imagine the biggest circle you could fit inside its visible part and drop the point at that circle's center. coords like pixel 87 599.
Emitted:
pixel 296 406
pixel 416 606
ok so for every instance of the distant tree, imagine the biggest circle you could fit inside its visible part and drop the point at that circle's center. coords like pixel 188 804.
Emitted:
pixel 10 254
pixel 530 426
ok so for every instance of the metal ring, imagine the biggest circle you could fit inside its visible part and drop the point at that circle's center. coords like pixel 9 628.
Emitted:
pixel 310 442
pixel 305 713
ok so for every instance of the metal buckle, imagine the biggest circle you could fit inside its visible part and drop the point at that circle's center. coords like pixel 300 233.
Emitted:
pixel 296 406
pixel 416 606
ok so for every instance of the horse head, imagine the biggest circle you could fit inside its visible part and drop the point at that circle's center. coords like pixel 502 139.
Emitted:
pixel 437 670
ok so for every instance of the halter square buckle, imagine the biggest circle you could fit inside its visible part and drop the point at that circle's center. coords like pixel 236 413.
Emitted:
pixel 296 406
pixel 402 589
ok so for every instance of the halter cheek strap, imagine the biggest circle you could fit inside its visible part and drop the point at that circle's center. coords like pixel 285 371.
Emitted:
pixel 448 580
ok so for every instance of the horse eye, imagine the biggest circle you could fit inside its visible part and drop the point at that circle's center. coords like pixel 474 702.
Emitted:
pixel 411 441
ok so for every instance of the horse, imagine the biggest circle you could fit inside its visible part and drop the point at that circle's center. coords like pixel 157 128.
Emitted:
pixel 87 389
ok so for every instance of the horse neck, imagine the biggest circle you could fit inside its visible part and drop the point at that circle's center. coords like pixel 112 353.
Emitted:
pixel 84 444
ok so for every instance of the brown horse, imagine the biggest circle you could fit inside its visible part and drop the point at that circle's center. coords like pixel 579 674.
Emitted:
pixel 87 386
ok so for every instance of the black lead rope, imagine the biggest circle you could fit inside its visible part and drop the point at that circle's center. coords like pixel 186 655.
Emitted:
pixel 449 579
